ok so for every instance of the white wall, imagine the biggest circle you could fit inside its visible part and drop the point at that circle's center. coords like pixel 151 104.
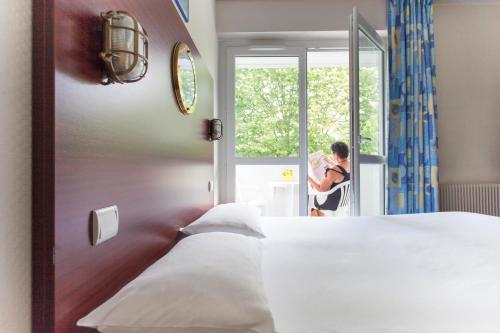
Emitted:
pixel 468 91
pixel 295 15
pixel 201 27
pixel 15 166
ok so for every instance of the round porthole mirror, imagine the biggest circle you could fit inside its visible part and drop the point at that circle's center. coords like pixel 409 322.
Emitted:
pixel 184 78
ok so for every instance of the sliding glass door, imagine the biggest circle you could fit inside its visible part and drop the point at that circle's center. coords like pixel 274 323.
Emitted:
pixel 284 103
pixel 368 117
pixel 266 145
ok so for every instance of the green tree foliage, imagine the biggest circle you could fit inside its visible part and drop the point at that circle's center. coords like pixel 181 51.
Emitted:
pixel 369 101
pixel 328 107
pixel 267 110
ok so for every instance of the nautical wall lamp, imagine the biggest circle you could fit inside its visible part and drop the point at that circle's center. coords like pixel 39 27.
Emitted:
pixel 215 130
pixel 125 52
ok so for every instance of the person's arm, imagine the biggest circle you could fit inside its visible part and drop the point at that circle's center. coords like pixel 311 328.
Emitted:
pixel 327 181
pixel 313 183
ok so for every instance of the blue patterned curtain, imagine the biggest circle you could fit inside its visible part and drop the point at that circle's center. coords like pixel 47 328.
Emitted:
pixel 412 160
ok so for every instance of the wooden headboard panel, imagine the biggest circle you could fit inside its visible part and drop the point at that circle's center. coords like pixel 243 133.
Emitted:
pixel 96 146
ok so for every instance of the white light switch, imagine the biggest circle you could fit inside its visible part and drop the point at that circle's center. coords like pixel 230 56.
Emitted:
pixel 104 224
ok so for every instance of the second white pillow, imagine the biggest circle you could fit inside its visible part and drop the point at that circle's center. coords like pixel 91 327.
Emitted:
pixel 231 217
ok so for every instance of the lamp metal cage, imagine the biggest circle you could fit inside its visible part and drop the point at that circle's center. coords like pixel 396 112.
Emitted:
pixel 125 53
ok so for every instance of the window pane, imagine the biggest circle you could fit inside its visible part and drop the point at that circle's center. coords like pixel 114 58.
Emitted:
pixel 274 189
pixel 370 97
pixel 327 115
pixel 372 187
pixel 267 106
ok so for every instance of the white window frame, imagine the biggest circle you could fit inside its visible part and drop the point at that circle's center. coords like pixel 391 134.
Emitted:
pixel 231 160
pixel 230 48
pixel 358 23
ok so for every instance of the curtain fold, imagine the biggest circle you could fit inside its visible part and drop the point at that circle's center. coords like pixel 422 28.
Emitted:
pixel 413 142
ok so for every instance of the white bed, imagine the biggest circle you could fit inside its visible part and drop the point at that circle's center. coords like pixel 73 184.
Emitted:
pixel 425 273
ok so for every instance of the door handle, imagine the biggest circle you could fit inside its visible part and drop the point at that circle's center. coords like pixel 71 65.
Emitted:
pixel 361 138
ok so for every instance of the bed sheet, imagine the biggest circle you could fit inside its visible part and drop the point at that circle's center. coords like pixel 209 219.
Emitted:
pixel 425 273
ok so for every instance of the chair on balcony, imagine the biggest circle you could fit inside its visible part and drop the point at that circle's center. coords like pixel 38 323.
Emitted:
pixel 321 197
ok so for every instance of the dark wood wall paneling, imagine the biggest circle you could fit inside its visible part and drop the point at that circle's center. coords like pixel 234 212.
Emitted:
pixel 95 146
pixel 43 167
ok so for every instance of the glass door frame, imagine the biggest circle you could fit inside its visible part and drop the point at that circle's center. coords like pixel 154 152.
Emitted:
pixel 230 136
pixel 357 24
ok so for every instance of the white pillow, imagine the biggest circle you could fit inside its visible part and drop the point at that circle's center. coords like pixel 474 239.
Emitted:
pixel 208 283
pixel 232 217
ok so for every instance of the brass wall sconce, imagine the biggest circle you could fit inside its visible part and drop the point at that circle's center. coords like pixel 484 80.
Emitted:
pixel 125 53
pixel 215 130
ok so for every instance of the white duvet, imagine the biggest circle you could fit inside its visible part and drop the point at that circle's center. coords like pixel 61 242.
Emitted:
pixel 425 273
